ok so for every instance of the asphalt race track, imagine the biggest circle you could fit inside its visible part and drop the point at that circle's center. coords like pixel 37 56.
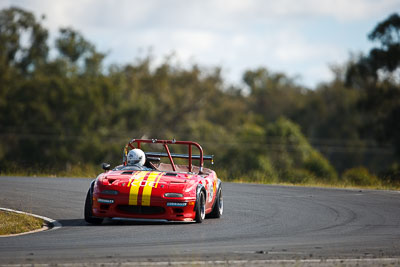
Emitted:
pixel 259 222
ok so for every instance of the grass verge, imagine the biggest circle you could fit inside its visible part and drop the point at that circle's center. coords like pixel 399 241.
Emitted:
pixel 15 223
pixel 81 171
pixel 325 185
pixel 91 171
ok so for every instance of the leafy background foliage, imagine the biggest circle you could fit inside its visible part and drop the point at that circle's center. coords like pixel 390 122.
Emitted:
pixel 68 111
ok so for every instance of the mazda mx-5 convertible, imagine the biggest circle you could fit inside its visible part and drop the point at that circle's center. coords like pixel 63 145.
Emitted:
pixel 161 186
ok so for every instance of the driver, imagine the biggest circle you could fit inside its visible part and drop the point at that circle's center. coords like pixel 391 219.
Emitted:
pixel 136 159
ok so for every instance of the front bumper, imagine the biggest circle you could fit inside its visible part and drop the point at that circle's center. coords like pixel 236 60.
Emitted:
pixel 160 209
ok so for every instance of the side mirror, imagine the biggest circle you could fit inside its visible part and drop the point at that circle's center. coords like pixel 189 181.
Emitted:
pixel 106 166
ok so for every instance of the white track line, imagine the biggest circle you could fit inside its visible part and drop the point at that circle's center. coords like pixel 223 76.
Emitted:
pixel 54 224
pixel 304 262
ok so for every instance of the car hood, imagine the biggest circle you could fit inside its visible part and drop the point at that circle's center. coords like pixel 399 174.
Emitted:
pixel 158 179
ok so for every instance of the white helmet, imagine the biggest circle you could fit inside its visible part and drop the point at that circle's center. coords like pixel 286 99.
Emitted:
pixel 136 157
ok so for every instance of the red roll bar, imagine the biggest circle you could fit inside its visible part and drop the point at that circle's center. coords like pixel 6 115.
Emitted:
pixel 168 154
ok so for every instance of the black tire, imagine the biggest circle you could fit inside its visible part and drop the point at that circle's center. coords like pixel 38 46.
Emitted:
pixel 88 211
pixel 201 207
pixel 218 208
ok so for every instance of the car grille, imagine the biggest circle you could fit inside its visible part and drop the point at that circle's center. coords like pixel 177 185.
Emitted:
pixel 141 209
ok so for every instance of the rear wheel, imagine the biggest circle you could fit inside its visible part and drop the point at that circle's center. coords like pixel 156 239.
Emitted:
pixel 88 210
pixel 218 206
pixel 201 208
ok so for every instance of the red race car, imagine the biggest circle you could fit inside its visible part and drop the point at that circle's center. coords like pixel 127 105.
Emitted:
pixel 145 187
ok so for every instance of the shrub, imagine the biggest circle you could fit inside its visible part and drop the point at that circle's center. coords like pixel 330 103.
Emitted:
pixel 261 177
pixel 391 175
pixel 288 145
pixel 297 176
pixel 320 167
pixel 360 176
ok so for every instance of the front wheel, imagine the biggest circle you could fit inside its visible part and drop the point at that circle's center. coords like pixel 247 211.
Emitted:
pixel 88 210
pixel 218 208
pixel 201 208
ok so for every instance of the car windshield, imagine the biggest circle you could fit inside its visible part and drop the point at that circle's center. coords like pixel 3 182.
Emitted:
pixel 132 168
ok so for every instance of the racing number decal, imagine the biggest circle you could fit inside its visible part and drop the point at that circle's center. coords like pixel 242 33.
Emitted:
pixel 150 183
pixel 134 183
pixel 210 191
pixel 137 181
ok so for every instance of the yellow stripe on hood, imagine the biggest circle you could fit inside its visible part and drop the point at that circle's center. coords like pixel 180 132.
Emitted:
pixel 135 185
pixel 149 188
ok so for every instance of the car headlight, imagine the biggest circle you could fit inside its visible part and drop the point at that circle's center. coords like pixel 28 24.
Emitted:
pixel 109 192
pixel 176 204
pixel 105 201
pixel 173 195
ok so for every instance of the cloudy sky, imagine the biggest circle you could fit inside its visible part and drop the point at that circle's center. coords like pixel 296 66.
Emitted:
pixel 298 37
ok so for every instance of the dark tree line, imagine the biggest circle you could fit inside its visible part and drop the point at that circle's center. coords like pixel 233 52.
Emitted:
pixel 71 109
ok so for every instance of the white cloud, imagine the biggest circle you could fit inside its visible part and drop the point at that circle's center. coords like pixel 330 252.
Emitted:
pixel 292 47
pixel 290 9
pixel 353 10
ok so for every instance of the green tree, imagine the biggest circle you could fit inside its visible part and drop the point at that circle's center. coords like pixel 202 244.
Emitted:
pixel 377 76
pixel 272 94
pixel 17 25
